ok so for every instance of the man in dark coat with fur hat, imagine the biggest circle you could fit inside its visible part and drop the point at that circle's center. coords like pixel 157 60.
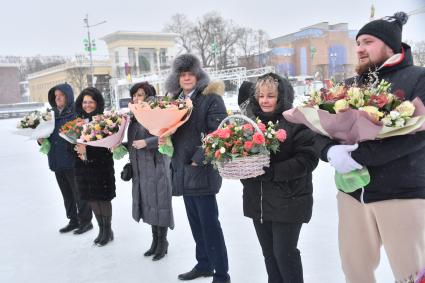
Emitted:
pixel 390 210
pixel 61 161
pixel 197 182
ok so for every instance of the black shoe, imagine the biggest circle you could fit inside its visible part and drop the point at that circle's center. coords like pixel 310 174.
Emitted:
pixel 100 223
pixel 193 274
pixel 83 228
pixel 162 244
pixel 221 281
pixel 152 249
pixel 108 234
pixel 69 227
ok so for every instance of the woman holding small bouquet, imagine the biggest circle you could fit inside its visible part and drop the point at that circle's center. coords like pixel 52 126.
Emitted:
pixel 94 169
pixel 152 191
pixel 281 200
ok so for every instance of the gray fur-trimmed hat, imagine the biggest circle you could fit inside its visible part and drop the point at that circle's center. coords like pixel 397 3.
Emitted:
pixel 388 29
pixel 186 63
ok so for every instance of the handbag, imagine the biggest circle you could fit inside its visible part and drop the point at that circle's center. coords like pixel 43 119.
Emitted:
pixel 127 172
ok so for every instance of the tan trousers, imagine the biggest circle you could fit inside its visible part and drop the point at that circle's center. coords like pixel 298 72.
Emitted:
pixel 398 225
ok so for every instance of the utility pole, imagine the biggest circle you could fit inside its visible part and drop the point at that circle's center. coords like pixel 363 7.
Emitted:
pixel 90 46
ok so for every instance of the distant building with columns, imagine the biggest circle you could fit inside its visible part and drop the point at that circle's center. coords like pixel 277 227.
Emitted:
pixel 143 52
pixel 320 50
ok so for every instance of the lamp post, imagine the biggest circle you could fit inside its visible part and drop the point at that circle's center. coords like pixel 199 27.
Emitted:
pixel 333 60
pixel 90 47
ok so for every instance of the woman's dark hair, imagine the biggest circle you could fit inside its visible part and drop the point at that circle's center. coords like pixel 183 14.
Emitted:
pixel 96 95
pixel 147 88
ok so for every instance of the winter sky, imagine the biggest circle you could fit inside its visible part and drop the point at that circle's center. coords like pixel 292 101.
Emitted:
pixel 49 27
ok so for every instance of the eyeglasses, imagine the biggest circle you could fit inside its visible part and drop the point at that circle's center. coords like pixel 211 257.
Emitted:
pixel 89 102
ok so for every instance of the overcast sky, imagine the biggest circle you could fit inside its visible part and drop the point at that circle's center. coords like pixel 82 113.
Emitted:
pixel 52 27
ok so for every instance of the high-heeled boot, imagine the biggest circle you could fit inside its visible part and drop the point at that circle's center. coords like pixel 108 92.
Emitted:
pixel 162 246
pixel 108 234
pixel 100 223
pixel 152 249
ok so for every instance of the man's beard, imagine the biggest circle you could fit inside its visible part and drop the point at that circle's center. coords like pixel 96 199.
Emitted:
pixel 366 67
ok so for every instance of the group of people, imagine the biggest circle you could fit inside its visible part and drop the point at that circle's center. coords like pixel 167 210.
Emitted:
pixel 389 212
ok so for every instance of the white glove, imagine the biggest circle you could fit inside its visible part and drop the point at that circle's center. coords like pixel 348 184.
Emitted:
pixel 339 156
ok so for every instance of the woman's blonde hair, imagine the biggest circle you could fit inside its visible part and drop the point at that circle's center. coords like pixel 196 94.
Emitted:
pixel 267 81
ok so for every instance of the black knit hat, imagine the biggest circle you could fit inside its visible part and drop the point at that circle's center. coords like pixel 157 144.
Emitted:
pixel 388 29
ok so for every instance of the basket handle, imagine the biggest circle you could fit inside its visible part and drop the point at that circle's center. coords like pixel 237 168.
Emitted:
pixel 243 117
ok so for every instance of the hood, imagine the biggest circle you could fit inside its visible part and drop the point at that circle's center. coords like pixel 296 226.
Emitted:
pixel 96 95
pixel 285 99
pixel 65 89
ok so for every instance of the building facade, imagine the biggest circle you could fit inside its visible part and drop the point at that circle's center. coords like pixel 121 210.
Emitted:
pixel 137 53
pixel 9 83
pixel 77 74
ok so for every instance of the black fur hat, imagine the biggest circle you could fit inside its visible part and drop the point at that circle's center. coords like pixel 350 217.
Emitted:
pixel 186 63
pixel 388 29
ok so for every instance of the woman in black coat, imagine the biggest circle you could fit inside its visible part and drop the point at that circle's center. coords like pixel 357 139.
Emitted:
pixel 281 200
pixel 94 170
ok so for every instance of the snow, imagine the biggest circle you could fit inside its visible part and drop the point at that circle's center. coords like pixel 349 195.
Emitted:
pixel 32 249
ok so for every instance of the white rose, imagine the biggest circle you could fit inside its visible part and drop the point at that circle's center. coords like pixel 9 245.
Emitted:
pixel 406 109
pixel 222 150
pixel 399 122
pixel 340 105
pixel 387 121
pixel 394 115
pixel 214 145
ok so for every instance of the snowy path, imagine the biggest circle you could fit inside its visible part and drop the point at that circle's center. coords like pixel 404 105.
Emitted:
pixel 32 250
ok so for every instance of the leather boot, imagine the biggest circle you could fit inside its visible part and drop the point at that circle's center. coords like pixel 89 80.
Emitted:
pixel 107 235
pixel 162 246
pixel 152 249
pixel 100 223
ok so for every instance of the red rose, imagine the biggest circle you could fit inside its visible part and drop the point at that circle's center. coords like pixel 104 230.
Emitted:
pixel 258 138
pixel 400 94
pixel 248 145
pixel 262 127
pixel 224 133
pixel 281 135
pixel 217 154
pixel 378 100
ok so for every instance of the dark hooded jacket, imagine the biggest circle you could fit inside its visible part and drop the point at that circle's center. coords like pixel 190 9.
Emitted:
pixel 61 155
pixel 396 165
pixel 284 193
pixel 95 177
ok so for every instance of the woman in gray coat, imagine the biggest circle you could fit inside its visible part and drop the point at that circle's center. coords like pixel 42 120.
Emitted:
pixel 151 178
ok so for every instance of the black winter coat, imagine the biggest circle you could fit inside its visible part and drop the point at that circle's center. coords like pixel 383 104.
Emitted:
pixel 286 195
pixel 61 155
pixel 208 112
pixel 95 177
pixel 397 164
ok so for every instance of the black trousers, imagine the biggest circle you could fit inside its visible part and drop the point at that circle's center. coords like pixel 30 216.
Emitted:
pixel 211 252
pixel 281 255
pixel 77 210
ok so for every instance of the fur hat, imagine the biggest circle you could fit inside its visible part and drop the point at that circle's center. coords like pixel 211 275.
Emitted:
pixel 147 88
pixel 186 63
pixel 388 29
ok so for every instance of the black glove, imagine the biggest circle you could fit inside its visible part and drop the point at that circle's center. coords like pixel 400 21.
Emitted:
pixel 268 175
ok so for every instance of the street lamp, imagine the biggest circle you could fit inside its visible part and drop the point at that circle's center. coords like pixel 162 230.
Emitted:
pixel 333 60
pixel 90 47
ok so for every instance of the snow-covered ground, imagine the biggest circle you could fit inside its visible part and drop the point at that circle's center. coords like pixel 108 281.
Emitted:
pixel 32 249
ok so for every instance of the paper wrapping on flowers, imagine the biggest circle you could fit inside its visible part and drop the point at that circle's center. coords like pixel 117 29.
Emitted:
pixel 161 122
pixel 110 141
pixel 44 128
pixel 352 126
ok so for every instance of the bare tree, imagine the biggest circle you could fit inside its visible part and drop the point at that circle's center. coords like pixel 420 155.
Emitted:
pixel 419 53
pixel 181 25
pixel 251 43
pixel 78 75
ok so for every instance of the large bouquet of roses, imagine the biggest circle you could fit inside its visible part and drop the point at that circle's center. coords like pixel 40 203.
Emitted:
pixel 161 117
pixel 106 130
pixel 354 114
pixel 240 147
pixel 38 125
pixel 71 131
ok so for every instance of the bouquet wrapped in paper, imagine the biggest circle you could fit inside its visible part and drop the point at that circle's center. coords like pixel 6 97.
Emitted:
pixel 71 131
pixel 38 125
pixel 106 130
pixel 161 117
pixel 240 147
pixel 355 114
